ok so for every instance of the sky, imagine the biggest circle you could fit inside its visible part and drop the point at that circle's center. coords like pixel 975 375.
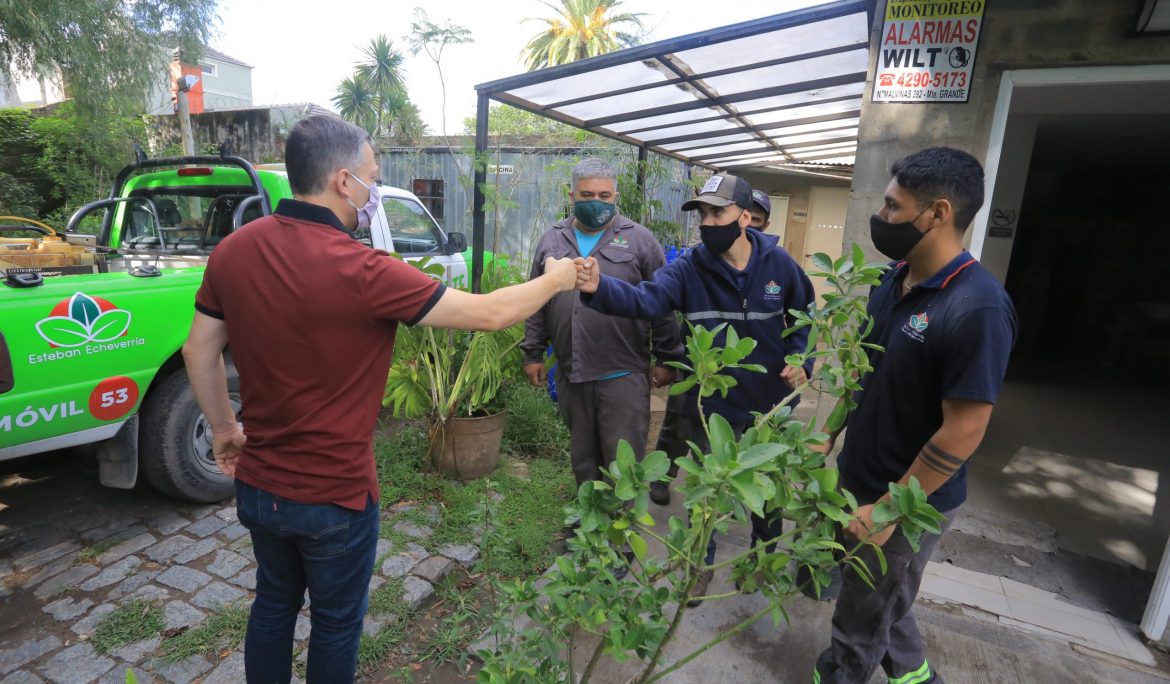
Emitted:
pixel 302 50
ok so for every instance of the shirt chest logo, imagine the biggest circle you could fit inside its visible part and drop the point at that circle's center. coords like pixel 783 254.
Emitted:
pixel 620 242
pixel 916 326
pixel 772 290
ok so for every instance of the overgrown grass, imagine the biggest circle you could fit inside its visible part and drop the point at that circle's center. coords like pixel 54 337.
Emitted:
pixel 385 603
pixel 534 428
pixel 387 600
pixel 222 631
pixel 528 519
pixel 527 522
pixel 132 621
pixel 465 621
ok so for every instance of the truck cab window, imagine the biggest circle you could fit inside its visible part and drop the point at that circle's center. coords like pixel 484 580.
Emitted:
pixel 413 231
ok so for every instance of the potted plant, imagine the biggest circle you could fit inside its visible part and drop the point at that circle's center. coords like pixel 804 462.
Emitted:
pixel 453 379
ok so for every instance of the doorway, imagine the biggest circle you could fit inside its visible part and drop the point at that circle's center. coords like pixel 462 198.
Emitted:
pixel 1072 481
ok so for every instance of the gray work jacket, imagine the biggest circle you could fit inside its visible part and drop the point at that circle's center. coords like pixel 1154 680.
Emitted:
pixel 590 345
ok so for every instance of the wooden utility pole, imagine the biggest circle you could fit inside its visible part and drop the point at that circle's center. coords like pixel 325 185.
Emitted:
pixel 184 113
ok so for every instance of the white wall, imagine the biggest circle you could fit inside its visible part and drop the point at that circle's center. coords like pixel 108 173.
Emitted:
pixel 1004 200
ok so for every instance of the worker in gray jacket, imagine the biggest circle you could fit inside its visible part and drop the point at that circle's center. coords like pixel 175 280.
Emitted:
pixel 604 372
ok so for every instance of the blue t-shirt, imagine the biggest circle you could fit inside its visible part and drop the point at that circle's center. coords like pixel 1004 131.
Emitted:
pixel 585 244
pixel 587 241
pixel 948 338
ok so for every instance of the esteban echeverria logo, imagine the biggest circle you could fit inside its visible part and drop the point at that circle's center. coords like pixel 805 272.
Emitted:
pixel 918 322
pixel 771 288
pixel 82 319
pixel 621 242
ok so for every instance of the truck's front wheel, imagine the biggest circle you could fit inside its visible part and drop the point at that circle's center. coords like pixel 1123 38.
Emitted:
pixel 175 441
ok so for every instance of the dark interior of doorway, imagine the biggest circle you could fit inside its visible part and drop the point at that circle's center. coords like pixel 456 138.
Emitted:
pixel 1089 273
pixel 1085 397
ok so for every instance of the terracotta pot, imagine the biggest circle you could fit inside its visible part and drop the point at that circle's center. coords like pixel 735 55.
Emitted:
pixel 467 448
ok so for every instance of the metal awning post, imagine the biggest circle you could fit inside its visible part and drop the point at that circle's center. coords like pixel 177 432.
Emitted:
pixel 479 177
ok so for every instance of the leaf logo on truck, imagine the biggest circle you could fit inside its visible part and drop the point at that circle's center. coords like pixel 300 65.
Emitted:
pixel 83 319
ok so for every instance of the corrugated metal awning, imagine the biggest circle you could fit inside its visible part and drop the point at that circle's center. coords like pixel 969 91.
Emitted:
pixel 780 90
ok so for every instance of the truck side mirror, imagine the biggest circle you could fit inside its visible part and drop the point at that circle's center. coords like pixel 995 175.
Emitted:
pixel 456 242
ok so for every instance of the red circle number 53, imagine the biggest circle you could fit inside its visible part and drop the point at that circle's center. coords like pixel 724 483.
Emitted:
pixel 113 398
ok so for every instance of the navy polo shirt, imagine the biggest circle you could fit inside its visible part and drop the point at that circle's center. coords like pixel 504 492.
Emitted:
pixel 948 338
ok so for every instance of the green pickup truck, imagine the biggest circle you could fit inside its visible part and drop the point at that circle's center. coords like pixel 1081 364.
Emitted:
pixel 92 326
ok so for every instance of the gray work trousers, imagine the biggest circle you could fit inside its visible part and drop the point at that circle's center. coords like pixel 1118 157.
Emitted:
pixel 873 627
pixel 601 413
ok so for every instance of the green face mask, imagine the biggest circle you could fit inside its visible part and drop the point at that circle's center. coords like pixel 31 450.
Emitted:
pixel 594 214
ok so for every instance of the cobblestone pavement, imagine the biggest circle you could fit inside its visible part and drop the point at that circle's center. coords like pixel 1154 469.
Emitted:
pixel 72 551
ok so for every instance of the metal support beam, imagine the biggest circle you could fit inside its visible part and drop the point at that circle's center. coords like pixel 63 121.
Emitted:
pixel 765 110
pixel 519 103
pixel 739 68
pixel 670 62
pixel 801 17
pixel 724 100
pixel 778 140
pixel 777 126
pixel 715 158
pixel 479 164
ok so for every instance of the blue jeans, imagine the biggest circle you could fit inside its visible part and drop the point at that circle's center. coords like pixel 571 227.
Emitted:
pixel 325 548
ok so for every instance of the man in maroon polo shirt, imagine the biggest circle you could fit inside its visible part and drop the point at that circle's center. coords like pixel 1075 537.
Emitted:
pixel 310 314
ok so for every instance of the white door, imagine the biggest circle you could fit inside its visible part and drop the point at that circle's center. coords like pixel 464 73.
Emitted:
pixel 825 230
pixel 778 219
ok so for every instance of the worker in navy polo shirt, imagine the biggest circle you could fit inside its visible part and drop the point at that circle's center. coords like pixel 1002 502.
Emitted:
pixel 738 276
pixel 310 314
pixel 947 328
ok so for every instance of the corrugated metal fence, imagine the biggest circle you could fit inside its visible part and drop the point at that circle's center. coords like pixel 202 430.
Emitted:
pixel 528 188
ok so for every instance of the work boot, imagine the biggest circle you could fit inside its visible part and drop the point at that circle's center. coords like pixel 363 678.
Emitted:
pixel 660 493
pixel 700 588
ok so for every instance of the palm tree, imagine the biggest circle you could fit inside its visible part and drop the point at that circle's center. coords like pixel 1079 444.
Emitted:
pixel 582 28
pixel 382 72
pixel 357 103
pixel 382 66
pixel 402 117
pixel 408 123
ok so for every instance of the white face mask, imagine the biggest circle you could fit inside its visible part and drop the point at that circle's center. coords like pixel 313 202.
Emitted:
pixel 365 213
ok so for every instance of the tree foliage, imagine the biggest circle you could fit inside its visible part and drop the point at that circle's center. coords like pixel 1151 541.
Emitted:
pixel 54 163
pixel 108 54
pixel 431 38
pixel 506 120
pixel 374 96
pixel 580 29
pixel 776 468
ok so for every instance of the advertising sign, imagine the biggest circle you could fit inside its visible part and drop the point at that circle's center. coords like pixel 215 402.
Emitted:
pixel 927 50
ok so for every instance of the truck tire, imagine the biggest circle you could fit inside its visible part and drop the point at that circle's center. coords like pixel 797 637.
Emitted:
pixel 174 443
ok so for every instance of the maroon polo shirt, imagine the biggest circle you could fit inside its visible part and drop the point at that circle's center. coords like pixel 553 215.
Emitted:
pixel 311 315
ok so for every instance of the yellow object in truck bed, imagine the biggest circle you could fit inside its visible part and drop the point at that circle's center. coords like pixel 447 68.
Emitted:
pixel 48 253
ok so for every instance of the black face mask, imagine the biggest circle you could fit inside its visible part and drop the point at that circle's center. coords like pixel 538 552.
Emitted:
pixel 895 240
pixel 719 239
